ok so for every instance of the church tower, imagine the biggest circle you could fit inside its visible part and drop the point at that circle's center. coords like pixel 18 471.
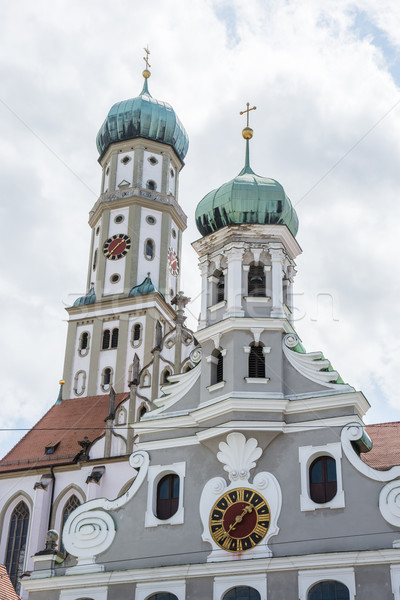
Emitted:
pixel 136 228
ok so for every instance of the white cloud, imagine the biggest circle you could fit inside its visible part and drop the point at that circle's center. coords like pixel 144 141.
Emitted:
pixel 325 96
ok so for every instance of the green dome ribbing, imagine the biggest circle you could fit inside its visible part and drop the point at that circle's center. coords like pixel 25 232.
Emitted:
pixel 144 117
pixel 246 199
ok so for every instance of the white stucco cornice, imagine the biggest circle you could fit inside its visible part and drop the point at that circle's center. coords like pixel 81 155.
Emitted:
pixel 116 305
pixel 247 323
pixel 244 235
pixel 190 571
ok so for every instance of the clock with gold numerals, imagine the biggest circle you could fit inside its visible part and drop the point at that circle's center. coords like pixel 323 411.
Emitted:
pixel 239 520
pixel 117 246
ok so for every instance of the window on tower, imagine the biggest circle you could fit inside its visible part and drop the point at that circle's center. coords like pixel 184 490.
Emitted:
pixel 106 378
pixel 256 281
pixel 242 593
pixel 136 335
pixel 151 185
pixel 323 479
pixel 220 287
pixel 106 339
pixel 167 496
pixel 149 249
pixel 256 362
pixel 114 337
pixel 83 344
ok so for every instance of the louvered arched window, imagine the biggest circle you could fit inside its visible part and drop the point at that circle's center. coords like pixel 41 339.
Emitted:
pixel 329 590
pixel 220 288
pixel 16 544
pixel 256 281
pixel 256 362
pixel 114 337
pixel 106 339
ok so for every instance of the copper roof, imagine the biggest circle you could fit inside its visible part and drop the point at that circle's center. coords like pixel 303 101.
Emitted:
pixel 62 427
pixel 7 591
pixel 385 451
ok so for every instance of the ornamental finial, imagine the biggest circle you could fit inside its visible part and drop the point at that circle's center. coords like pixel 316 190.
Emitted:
pixel 146 72
pixel 247 132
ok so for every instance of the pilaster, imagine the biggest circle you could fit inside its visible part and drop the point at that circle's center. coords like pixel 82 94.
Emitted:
pixel 277 259
pixel 234 283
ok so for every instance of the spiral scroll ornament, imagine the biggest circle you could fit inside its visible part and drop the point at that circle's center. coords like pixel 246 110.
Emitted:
pixel 389 503
pixel 87 534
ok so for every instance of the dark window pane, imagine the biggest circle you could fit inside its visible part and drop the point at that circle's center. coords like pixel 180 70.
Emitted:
pixel 84 340
pixel 256 362
pixel 107 377
pixel 256 281
pixel 167 496
pixel 136 333
pixel 114 338
pixel 149 249
pixel 106 339
pixel 163 596
pixel 329 590
pixel 242 593
pixel 322 476
pixel 16 544
pixel 221 288
pixel 220 368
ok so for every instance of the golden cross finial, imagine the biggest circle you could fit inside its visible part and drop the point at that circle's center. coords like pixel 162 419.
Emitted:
pixel 247 111
pixel 146 58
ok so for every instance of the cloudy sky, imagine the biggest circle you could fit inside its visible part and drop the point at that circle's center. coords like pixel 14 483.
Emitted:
pixel 325 78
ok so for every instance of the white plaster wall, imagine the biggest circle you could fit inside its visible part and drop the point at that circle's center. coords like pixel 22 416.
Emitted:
pixel 172 180
pixel 106 177
pixel 124 172
pixel 153 232
pixel 150 171
pixel 116 267
pixel 81 363
pixel 107 358
pixel 132 350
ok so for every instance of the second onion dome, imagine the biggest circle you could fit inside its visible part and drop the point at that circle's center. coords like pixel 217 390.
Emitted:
pixel 246 199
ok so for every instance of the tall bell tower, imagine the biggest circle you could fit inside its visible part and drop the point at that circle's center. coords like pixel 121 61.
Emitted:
pixel 136 231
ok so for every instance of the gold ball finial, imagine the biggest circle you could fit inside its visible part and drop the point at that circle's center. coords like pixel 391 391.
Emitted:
pixel 146 73
pixel 61 382
pixel 247 133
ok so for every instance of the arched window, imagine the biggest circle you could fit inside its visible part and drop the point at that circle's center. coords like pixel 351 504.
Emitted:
pixel 220 288
pixel 79 383
pixel 220 368
pixel 165 375
pixel 136 332
pixel 149 249
pixel 217 367
pixel 95 259
pixel 151 185
pixel 84 340
pixel 146 379
pixel 72 503
pixel 163 596
pixel 323 480
pixel 256 362
pixel 114 337
pixel 256 281
pixel 329 590
pixel 106 378
pixel 167 496
pixel 142 411
pixel 242 593
pixel 106 339
pixel 16 544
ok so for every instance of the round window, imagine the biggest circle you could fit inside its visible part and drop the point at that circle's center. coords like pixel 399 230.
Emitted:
pixel 115 278
pixel 119 219
pixel 151 220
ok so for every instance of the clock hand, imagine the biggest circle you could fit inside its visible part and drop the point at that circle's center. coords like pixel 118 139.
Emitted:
pixel 116 246
pixel 239 518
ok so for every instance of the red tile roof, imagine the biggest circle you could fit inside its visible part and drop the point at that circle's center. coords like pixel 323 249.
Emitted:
pixel 64 424
pixel 7 591
pixel 385 452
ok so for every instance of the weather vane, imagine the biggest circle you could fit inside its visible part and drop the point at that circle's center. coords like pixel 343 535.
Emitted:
pixel 247 132
pixel 146 72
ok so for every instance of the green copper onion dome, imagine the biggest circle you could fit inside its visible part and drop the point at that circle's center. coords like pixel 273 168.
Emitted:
pixel 246 199
pixel 89 298
pixel 143 117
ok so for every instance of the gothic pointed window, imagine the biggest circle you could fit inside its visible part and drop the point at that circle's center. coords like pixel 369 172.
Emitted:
pixel 114 337
pixel 323 479
pixel 106 339
pixel 16 544
pixel 72 503
pixel 329 590
pixel 256 362
pixel 256 281
pixel 167 496
pixel 165 375
pixel 242 593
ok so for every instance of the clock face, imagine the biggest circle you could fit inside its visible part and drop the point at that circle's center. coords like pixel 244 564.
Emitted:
pixel 173 262
pixel 117 246
pixel 239 520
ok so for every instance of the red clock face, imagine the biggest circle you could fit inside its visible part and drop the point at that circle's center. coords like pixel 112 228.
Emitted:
pixel 117 246
pixel 173 262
